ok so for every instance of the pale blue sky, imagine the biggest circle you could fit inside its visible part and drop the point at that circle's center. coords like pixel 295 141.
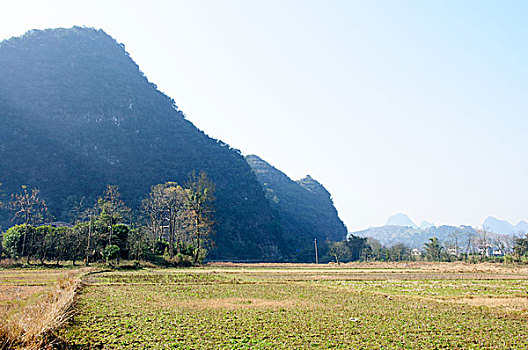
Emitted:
pixel 395 106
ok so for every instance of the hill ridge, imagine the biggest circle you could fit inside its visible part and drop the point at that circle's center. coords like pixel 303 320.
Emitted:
pixel 305 208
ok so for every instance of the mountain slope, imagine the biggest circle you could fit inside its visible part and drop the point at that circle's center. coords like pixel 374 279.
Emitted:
pixel 76 113
pixel 305 208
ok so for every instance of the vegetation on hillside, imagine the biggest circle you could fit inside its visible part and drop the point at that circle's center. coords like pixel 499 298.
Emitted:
pixel 305 209
pixel 76 114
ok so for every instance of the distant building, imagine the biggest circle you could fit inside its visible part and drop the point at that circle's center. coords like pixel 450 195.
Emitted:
pixel 497 252
pixel 453 251
pixel 416 252
pixel 485 249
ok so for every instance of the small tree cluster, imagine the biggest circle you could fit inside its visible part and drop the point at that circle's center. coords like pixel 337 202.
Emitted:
pixel 178 221
pixel 180 216
pixel 86 238
pixel 375 251
pixel 348 250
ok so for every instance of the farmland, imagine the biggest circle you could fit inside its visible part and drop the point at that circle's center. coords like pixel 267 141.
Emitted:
pixel 370 306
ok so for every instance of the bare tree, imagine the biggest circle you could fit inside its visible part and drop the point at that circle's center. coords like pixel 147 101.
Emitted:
pixel 113 209
pixel 29 209
pixel 470 237
pixel 454 241
pixel 89 214
pixel 200 199
pixel 175 200
pixel 153 209
pixel 165 209
pixel 501 242
pixel 483 241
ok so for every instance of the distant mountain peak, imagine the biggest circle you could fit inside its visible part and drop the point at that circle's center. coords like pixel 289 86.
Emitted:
pixel 400 219
pixel 495 225
pixel 504 227
pixel 426 224
pixel 521 223
pixel 415 237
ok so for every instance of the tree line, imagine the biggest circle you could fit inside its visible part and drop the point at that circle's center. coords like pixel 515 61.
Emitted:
pixel 174 226
pixel 434 250
pixel 481 247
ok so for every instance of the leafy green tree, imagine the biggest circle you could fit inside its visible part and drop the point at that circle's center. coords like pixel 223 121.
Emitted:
pixel 375 250
pixel 41 242
pixel 76 238
pixel 111 252
pixel 366 253
pixel 520 247
pixel 121 232
pixel 433 249
pixel 62 244
pixel 12 241
pixel 399 252
pixel 338 250
pixel 51 242
pixel 355 245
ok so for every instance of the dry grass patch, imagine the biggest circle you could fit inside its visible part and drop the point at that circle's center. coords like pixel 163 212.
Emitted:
pixel 29 277
pixel 435 267
pixel 32 324
pixel 512 304
pixel 13 298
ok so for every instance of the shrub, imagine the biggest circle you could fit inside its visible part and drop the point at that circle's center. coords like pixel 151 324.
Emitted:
pixel 111 252
pixel 12 241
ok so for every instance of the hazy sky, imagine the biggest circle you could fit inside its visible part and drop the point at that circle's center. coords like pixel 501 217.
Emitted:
pixel 395 106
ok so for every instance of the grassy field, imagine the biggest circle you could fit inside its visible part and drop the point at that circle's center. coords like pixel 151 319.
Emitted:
pixel 357 306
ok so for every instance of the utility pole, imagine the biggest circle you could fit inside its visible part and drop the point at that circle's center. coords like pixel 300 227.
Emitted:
pixel 316 257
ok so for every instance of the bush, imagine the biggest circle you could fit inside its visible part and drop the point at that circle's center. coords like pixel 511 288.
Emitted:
pixel 12 241
pixel 111 252
pixel 509 259
pixel 180 259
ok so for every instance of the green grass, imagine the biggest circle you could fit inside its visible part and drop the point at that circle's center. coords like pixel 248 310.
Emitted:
pixel 292 308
